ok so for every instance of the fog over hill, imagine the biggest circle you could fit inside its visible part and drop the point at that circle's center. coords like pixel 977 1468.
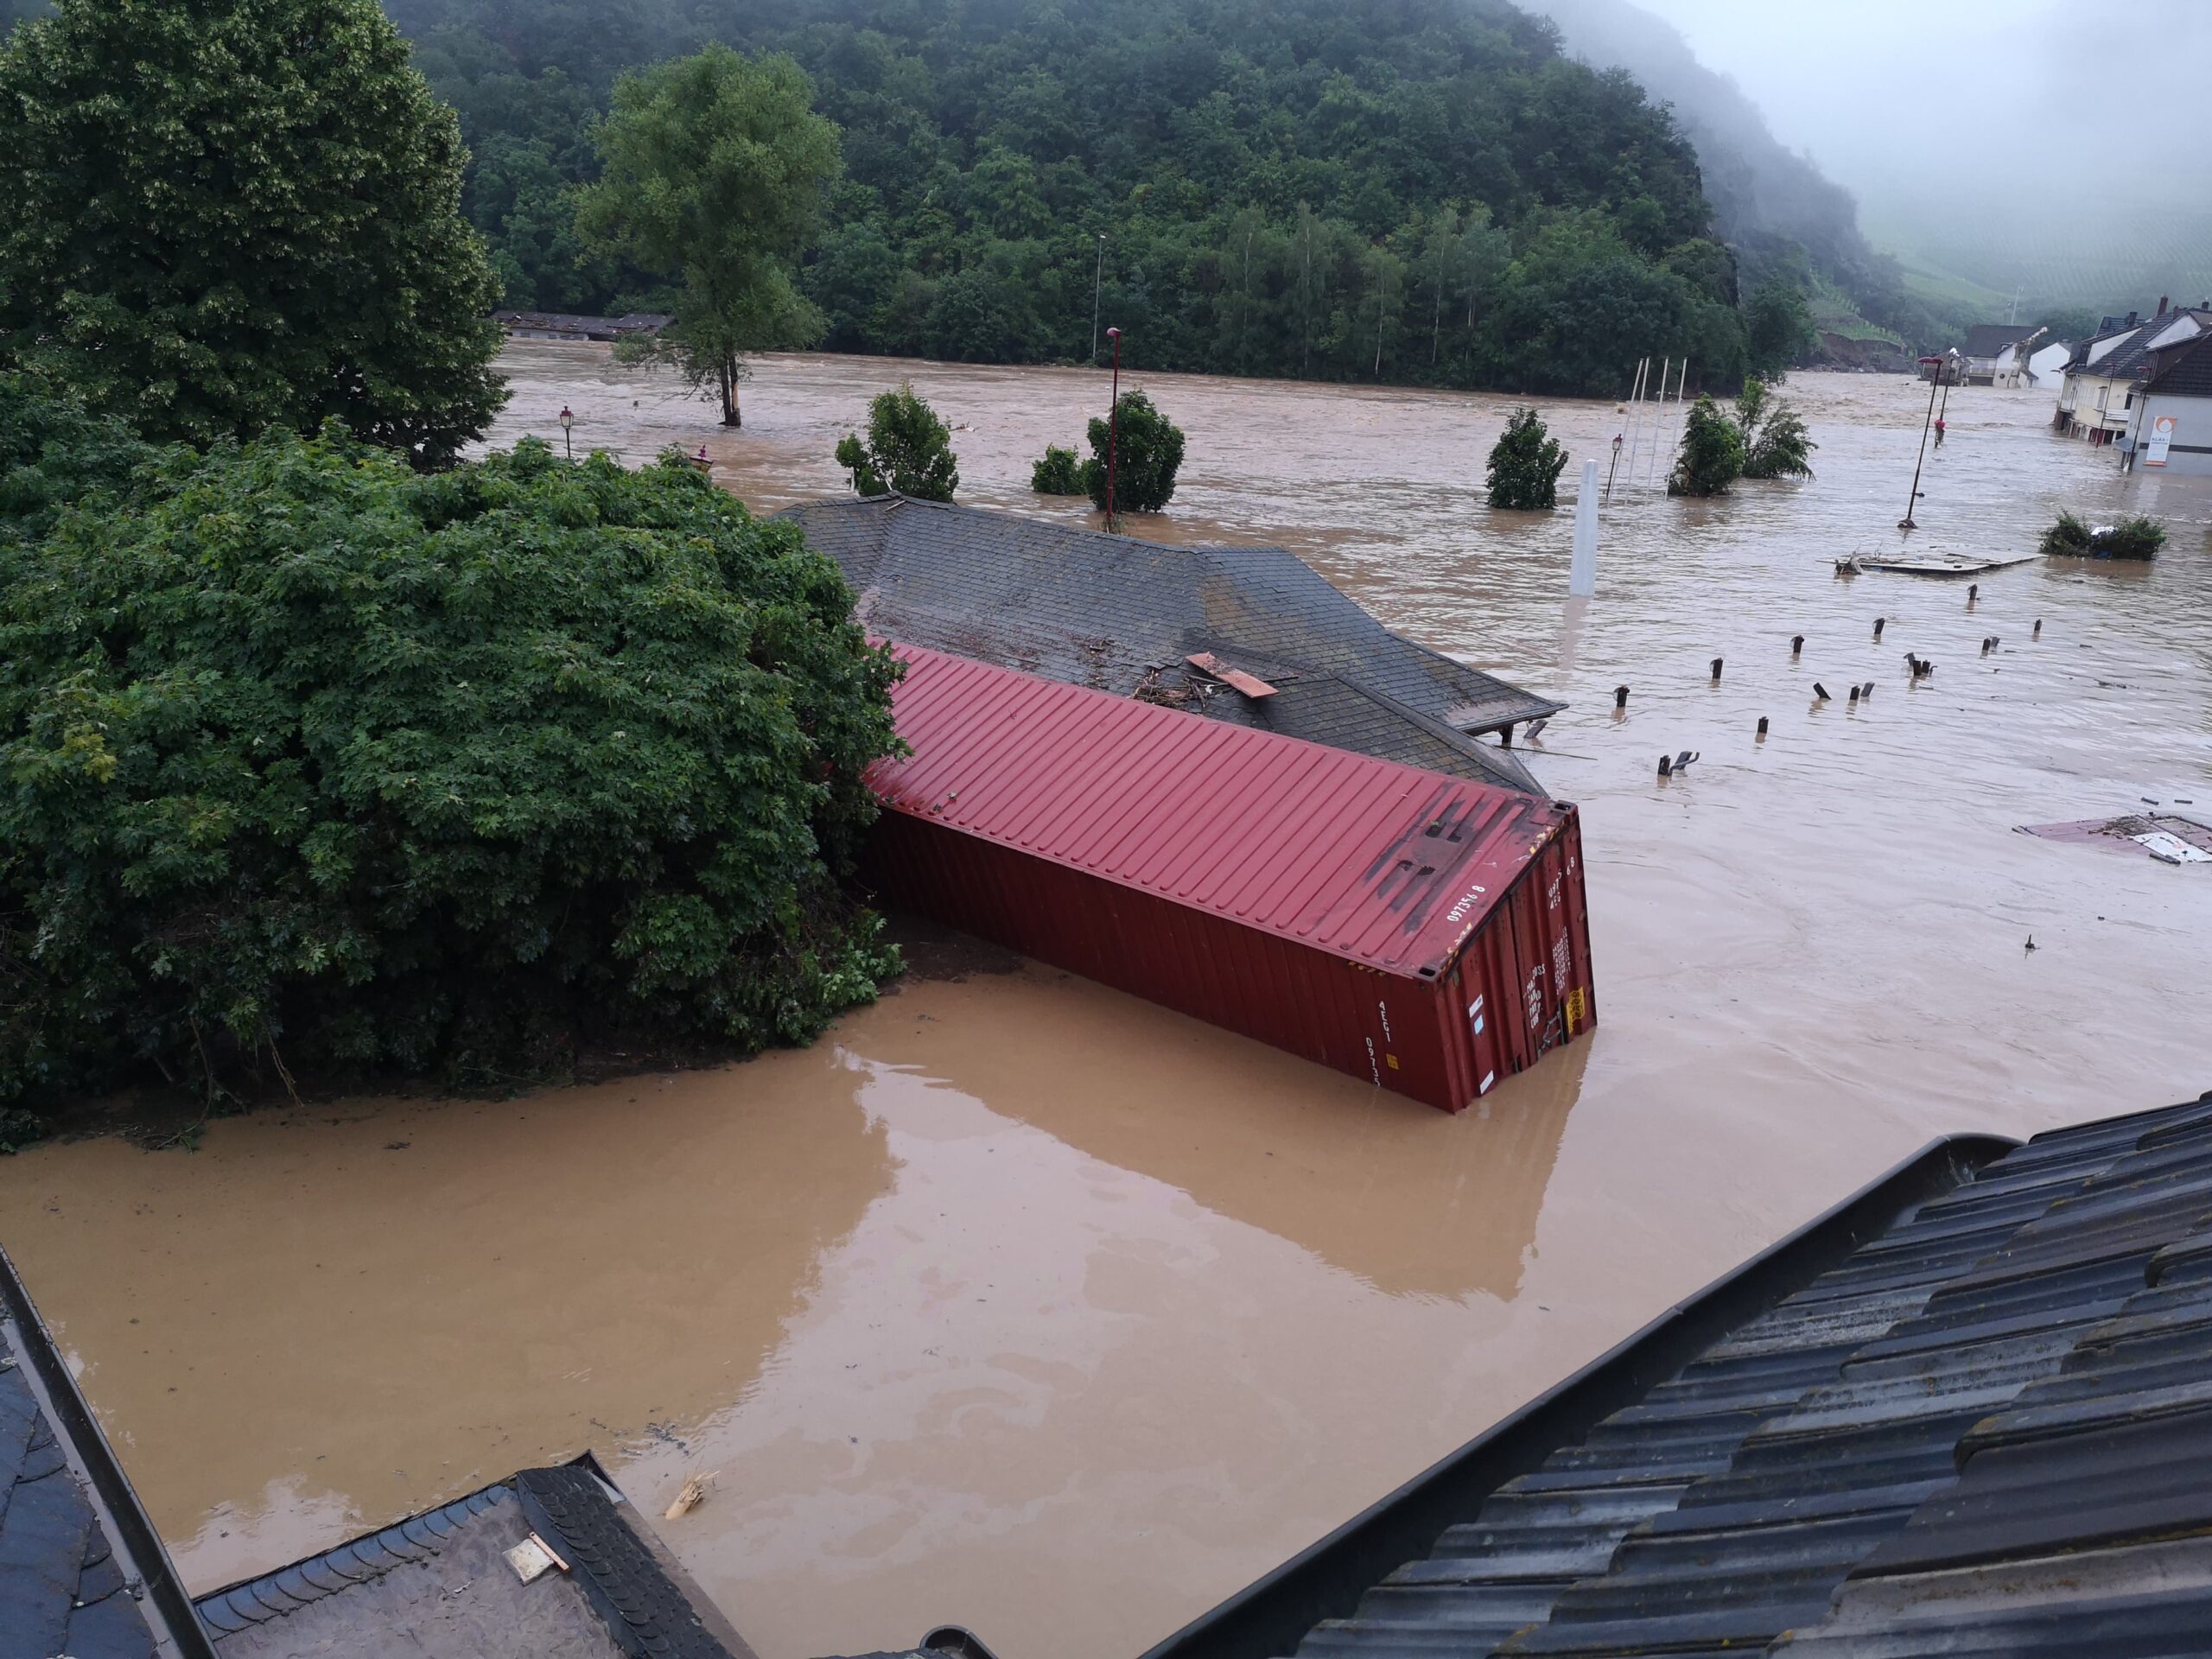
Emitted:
pixel 2050 150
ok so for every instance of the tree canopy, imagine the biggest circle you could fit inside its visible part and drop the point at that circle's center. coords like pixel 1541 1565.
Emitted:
pixel 908 449
pixel 714 167
pixel 1525 464
pixel 1144 451
pixel 1400 190
pixel 316 761
pixel 217 216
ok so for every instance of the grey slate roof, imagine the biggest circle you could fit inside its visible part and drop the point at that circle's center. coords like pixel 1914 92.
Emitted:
pixel 1121 614
pixel 1988 339
pixel 82 1572
pixel 2133 351
pixel 2183 372
pixel 1987 1428
pixel 435 1587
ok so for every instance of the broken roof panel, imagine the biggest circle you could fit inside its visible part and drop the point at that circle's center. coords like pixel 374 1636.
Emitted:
pixel 1965 1412
pixel 1123 616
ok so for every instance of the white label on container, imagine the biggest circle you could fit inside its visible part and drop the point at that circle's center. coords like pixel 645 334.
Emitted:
pixel 1489 1077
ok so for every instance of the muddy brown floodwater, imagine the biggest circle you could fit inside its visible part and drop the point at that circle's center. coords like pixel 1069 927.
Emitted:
pixel 1022 1303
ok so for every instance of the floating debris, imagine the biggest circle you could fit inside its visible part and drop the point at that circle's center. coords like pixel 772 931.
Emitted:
pixel 2170 838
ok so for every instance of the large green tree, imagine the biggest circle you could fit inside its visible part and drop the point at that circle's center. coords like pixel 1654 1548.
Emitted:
pixel 714 167
pixel 217 216
pixel 314 761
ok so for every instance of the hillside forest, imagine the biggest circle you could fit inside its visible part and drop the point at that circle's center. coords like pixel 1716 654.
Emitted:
pixel 1410 191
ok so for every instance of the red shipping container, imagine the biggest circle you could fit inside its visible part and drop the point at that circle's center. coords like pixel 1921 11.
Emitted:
pixel 1425 932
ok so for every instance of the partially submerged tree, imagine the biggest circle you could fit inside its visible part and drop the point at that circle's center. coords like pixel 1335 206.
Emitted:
pixel 232 214
pixel 1058 472
pixel 908 449
pixel 1775 442
pixel 316 762
pixel 1525 464
pixel 713 168
pixel 1147 452
pixel 1711 455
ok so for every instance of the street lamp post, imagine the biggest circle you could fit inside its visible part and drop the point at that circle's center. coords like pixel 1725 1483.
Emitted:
pixel 1098 284
pixel 1934 366
pixel 568 419
pixel 1113 424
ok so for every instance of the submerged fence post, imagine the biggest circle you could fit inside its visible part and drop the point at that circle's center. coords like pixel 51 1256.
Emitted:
pixel 1582 575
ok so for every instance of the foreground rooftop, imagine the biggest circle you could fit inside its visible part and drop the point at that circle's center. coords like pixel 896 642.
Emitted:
pixel 1968 1411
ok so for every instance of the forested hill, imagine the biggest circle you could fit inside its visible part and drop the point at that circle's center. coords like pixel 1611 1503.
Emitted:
pixel 1400 190
pixel 1783 215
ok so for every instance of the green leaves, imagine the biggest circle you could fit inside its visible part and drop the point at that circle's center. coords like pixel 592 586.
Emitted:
pixel 225 216
pixel 1146 449
pixel 303 754
pixel 713 168
pixel 1525 464
pixel 1712 454
pixel 908 449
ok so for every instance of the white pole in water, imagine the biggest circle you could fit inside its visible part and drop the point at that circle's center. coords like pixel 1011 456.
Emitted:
pixel 1582 575
pixel 1658 424
pixel 1635 418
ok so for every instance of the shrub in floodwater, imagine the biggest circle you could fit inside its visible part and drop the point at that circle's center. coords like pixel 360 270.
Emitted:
pixel 1775 442
pixel 316 762
pixel 1711 455
pixel 908 449
pixel 1525 464
pixel 1059 472
pixel 2131 538
pixel 1148 452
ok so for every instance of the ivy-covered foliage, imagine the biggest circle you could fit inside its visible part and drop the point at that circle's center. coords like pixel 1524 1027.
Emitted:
pixel 308 760
pixel 1712 454
pixel 908 449
pixel 1422 191
pixel 1146 450
pixel 229 214
pixel 1525 464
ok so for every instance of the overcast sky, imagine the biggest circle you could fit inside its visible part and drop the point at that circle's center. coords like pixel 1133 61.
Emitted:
pixel 1855 82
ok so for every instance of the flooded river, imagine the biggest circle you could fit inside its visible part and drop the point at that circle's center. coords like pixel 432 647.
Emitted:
pixel 1021 1303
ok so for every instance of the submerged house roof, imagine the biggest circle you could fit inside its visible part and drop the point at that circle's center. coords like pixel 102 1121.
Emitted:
pixel 442 1585
pixel 1967 1411
pixel 83 1574
pixel 1991 339
pixel 82 1571
pixel 1126 616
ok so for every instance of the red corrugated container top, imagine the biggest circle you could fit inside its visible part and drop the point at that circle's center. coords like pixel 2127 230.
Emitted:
pixel 1382 864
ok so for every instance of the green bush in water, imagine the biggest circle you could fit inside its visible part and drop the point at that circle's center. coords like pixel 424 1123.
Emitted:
pixel 1147 450
pixel 316 762
pixel 908 449
pixel 1058 474
pixel 2131 538
pixel 1775 442
pixel 1525 464
pixel 1711 455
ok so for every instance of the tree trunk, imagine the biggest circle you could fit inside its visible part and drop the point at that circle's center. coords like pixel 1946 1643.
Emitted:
pixel 732 416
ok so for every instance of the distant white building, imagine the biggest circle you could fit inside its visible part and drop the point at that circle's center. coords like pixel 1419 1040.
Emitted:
pixel 2110 373
pixel 2049 362
pixel 1996 354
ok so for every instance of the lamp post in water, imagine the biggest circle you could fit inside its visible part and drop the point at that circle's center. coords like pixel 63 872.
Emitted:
pixel 1934 367
pixel 568 419
pixel 1113 424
